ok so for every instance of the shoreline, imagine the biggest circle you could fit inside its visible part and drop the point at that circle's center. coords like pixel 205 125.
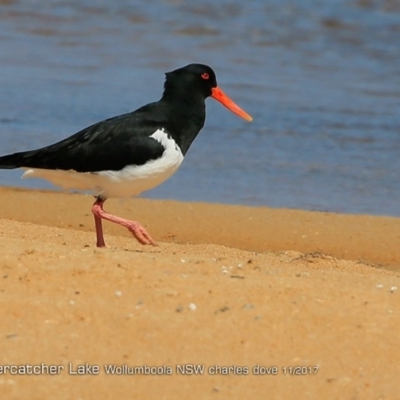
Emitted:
pixel 365 238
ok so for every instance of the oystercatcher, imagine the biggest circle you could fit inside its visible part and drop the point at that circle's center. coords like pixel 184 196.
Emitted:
pixel 131 153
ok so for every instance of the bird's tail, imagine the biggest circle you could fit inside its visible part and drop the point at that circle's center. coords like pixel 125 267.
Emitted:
pixel 15 160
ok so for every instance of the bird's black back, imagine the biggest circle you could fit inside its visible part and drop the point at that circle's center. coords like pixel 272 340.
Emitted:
pixel 111 144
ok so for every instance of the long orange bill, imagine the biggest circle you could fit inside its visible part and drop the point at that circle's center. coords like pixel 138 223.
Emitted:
pixel 218 94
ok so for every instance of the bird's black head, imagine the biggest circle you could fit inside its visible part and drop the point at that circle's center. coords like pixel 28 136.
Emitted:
pixel 198 79
pixel 193 84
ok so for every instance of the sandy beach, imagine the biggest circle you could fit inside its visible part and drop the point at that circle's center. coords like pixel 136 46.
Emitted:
pixel 249 302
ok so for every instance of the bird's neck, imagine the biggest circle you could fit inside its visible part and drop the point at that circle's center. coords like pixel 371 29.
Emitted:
pixel 186 117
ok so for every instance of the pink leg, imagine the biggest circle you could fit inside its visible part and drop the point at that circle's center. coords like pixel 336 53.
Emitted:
pixel 134 227
pixel 99 230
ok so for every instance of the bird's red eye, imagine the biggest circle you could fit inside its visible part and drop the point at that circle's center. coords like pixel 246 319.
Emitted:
pixel 205 75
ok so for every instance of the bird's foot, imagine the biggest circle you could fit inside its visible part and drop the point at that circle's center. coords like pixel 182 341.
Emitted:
pixel 101 244
pixel 140 233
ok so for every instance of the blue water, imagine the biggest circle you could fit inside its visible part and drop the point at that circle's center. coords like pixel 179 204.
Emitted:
pixel 320 78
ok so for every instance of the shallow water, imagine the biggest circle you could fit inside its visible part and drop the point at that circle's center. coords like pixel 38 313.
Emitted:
pixel 321 80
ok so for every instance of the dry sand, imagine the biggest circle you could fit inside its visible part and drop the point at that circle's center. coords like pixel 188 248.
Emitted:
pixel 227 286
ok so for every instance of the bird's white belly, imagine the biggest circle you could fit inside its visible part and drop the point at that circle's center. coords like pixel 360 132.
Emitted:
pixel 130 181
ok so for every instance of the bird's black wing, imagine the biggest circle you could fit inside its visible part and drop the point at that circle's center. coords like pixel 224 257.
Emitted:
pixel 111 144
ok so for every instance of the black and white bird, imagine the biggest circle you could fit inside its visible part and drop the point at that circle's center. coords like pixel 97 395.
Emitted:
pixel 126 155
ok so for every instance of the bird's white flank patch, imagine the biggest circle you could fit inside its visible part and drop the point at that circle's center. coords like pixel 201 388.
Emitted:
pixel 130 181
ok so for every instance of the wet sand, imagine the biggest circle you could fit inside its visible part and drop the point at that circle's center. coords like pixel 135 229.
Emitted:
pixel 229 288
